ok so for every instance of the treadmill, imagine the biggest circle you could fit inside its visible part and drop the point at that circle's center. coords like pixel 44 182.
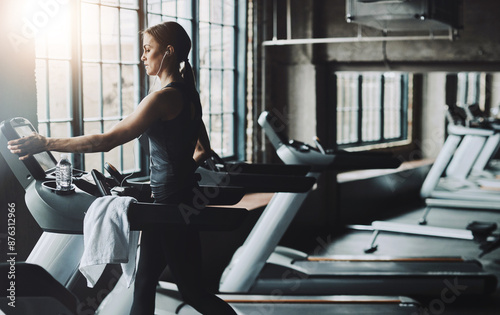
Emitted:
pixel 466 151
pixel 260 266
pixel 48 277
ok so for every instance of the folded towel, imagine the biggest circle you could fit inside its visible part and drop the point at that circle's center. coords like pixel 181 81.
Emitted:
pixel 107 239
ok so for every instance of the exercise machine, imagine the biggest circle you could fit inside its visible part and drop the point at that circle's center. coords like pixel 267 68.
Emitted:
pixel 54 260
pixel 260 266
pixel 50 272
pixel 463 148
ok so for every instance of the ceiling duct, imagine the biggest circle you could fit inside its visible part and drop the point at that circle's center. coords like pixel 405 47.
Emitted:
pixel 406 15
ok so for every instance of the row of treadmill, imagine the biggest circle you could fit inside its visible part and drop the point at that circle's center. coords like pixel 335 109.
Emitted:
pixel 263 277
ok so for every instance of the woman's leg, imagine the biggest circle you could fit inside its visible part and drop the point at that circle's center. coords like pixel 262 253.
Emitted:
pixel 183 251
pixel 152 262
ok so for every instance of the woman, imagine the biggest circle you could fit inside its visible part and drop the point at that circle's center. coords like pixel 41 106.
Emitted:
pixel 171 118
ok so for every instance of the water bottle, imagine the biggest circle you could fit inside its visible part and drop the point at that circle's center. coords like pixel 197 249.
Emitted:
pixel 64 173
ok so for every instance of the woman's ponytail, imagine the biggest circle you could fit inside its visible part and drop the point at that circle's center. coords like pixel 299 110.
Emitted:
pixel 188 75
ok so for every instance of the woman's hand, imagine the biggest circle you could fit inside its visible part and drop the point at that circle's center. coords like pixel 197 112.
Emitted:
pixel 27 146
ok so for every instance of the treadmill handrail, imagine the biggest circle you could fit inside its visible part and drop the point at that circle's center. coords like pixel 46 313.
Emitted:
pixel 464 131
pixel 257 182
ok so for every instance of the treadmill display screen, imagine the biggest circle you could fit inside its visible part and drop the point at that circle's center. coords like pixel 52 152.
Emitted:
pixel 44 159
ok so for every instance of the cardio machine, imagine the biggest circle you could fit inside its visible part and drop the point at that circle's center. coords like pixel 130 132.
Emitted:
pixel 53 262
pixel 466 148
pixel 50 272
pixel 259 266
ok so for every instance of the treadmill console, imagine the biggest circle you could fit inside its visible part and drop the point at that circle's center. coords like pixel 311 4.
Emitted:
pixel 299 153
pixel 36 166
pixel 53 212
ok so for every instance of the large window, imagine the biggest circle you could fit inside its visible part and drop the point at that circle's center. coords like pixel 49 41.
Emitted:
pixel 89 74
pixel 372 108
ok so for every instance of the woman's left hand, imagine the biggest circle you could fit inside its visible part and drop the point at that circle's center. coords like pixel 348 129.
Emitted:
pixel 27 146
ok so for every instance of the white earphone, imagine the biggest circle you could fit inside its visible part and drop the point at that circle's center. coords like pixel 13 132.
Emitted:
pixel 161 63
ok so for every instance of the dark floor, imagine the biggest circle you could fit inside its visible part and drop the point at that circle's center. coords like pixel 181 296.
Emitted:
pixel 391 244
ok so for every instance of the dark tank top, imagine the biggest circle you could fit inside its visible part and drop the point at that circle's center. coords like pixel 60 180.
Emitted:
pixel 171 147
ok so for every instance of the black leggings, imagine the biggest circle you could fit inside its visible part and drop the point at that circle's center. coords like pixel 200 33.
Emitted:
pixel 180 249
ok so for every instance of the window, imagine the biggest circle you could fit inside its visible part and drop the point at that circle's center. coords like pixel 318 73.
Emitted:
pixel 110 75
pixel 468 88
pixel 372 108
pixel 216 59
pixel 89 74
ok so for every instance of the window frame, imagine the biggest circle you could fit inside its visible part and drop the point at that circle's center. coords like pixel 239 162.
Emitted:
pixel 383 141
pixel 76 118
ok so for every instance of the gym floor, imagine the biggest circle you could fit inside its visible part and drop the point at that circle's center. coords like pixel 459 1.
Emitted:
pixel 392 244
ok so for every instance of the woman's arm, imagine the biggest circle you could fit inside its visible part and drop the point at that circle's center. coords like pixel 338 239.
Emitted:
pixel 202 150
pixel 129 128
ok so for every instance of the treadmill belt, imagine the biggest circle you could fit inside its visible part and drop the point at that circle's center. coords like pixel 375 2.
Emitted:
pixel 321 309
pixel 386 267
pixel 318 305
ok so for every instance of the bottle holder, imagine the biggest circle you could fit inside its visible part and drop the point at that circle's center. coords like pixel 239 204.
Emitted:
pixel 51 185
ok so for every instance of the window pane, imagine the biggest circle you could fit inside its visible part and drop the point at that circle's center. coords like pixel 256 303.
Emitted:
pixel 204 45
pixel 154 19
pixel 130 86
pixel 129 24
pixel 228 92
pixel 41 88
pixel 60 130
pixel 392 105
pixel 92 160
pixel 216 11
pixel 90 31
pixel 227 132
pixel 216 91
pixel 110 78
pixel 184 9
pixel 216 133
pixel 216 46
pixel 204 11
pixel 130 157
pixel 91 90
pixel 229 12
pixel 228 47
pixel 59 89
pixel 371 107
pixel 204 90
pixel 43 129
pixel 113 156
pixel 169 7
pixel 109 33
pixel 347 107
pixel 154 6
pixel 472 88
pixel 58 34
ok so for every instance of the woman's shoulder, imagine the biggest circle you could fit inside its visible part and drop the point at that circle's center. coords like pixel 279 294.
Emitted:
pixel 167 95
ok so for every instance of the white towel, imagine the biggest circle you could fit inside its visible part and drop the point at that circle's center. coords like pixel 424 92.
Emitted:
pixel 107 239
